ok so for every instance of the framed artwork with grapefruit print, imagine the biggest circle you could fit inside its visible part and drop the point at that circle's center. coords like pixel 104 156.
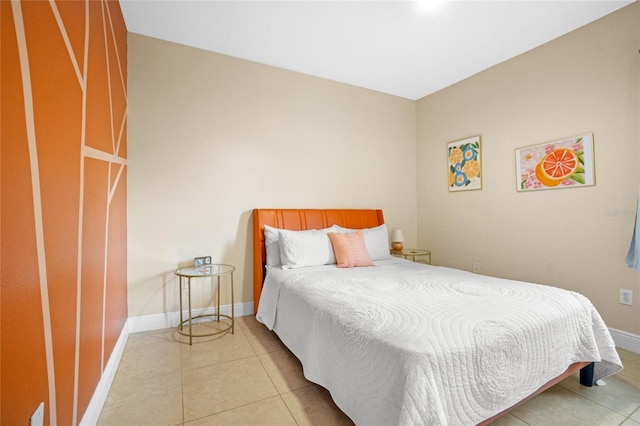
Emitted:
pixel 567 163
pixel 465 171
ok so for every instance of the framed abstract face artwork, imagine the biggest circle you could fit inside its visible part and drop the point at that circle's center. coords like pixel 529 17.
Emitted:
pixel 464 164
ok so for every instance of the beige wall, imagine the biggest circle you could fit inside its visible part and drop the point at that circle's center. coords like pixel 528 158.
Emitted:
pixel 212 137
pixel 586 81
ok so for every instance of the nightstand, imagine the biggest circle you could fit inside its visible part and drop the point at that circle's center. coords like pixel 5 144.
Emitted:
pixel 412 254
pixel 214 271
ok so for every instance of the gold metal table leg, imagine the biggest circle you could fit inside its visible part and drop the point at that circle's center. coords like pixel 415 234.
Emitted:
pixel 190 315
pixel 233 317
pixel 218 309
pixel 180 292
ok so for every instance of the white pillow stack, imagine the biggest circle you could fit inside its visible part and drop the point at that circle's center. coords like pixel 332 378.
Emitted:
pixel 288 249
pixel 306 248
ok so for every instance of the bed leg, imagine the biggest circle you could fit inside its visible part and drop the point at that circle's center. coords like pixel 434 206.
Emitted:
pixel 586 375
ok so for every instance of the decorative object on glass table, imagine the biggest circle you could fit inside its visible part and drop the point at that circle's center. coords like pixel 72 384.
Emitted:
pixel 202 265
pixel 397 238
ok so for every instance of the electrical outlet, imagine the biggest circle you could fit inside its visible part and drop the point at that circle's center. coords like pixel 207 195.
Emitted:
pixel 476 267
pixel 37 418
pixel 626 297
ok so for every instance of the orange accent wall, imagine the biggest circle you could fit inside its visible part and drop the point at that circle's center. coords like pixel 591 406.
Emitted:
pixel 63 298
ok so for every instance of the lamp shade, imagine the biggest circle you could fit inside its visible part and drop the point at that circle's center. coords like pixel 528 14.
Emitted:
pixel 396 236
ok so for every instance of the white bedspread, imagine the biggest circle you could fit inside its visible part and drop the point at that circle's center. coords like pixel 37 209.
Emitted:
pixel 404 343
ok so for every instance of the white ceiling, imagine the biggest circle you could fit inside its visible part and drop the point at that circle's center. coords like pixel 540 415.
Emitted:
pixel 398 47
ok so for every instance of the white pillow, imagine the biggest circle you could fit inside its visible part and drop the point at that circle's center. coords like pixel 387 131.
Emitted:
pixel 305 248
pixel 376 239
pixel 272 246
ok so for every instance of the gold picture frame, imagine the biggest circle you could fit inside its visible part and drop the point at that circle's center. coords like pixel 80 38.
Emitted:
pixel 464 158
pixel 565 163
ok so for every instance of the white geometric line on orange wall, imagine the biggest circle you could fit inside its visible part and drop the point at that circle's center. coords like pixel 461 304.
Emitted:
pixel 113 36
pixel 108 73
pixel 113 188
pixel 104 273
pixel 37 203
pixel 115 146
pixel 67 42
pixel 83 139
pixel 90 152
pixel 121 132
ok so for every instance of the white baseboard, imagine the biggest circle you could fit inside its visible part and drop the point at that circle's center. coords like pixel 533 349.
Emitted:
pixel 625 340
pixel 172 319
pixel 92 414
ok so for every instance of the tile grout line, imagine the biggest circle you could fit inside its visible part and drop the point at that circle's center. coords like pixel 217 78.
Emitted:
pixel 276 387
pixel 242 330
pixel 594 401
pixel 278 390
pixel 637 410
pixel 522 420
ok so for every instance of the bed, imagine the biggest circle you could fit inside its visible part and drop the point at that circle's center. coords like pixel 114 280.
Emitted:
pixel 407 343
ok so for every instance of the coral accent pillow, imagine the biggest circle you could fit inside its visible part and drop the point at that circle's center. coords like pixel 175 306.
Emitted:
pixel 375 239
pixel 350 249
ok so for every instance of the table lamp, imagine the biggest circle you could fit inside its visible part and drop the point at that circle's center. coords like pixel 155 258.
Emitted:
pixel 397 239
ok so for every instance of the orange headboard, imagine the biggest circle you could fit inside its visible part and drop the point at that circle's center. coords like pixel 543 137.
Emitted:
pixel 299 220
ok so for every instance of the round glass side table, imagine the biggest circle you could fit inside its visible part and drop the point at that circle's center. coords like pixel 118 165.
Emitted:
pixel 214 271
pixel 412 254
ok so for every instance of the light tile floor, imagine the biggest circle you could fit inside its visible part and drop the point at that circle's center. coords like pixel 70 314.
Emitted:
pixel 250 378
